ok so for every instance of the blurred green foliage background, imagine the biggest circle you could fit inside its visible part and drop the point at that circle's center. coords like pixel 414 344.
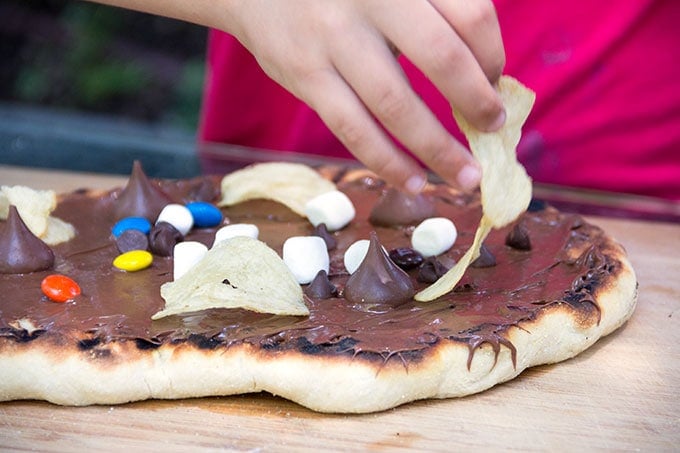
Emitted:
pixel 94 58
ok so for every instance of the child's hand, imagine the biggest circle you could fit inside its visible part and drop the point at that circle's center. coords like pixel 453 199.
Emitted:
pixel 339 56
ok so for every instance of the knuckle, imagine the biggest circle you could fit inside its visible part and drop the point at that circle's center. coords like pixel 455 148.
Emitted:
pixel 392 104
pixel 481 13
pixel 443 53
pixel 431 143
pixel 390 169
pixel 350 133
pixel 440 158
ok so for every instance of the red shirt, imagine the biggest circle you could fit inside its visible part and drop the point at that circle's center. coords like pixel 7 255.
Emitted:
pixel 606 76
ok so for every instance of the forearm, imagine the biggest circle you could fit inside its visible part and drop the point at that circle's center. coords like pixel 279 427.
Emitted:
pixel 209 13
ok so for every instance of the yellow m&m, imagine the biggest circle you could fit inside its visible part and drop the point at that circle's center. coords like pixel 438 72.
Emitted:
pixel 134 260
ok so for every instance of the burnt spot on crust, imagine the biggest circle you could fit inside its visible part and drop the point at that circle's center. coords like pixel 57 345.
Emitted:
pixel 145 344
pixel 95 347
pixel 582 294
pixel 204 342
pixel 585 307
pixel 21 335
pixel 345 346
pixel 88 343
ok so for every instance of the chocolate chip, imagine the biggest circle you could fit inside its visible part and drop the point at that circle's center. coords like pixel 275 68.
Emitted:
pixel 431 270
pixel 406 258
pixel 163 238
pixel 132 239
pixel 536 205
pixel 321 287
pixel 327 237
pixel 485 258
pixel 518 238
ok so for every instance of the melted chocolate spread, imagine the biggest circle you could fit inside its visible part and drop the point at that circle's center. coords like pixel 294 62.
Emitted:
pixel 117 306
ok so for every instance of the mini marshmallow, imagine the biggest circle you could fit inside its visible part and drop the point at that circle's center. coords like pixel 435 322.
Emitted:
pixel 178 216
pixel 332 208
pixel 234 230
pixel 355 254
pixel 186 255
pixel 434 236
pixel 305 256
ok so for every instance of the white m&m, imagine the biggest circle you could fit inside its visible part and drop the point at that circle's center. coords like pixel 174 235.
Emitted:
pixel 178 216
pixel 334 209
pixel 434 236
pixel 305 256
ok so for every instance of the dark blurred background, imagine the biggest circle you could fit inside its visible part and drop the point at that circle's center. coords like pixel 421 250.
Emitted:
pixel 88 87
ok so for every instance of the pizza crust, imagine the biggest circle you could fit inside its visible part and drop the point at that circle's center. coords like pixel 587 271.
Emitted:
pixel 57 370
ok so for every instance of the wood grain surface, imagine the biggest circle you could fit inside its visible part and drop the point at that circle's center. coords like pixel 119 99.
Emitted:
pixel 621 394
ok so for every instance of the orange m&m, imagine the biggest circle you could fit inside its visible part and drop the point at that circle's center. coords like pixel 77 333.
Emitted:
pixel 59 288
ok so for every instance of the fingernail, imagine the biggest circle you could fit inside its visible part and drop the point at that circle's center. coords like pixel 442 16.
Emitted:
pixel 469 177
pixel 415 184
pixel 498 122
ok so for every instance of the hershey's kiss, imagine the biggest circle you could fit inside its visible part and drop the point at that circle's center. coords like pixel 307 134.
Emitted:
pixel 321 287
pixel 20 250
pixel 378 280
pixel 140 197
pixel 395 208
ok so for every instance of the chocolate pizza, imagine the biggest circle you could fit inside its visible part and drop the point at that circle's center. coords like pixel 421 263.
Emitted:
pixel 542 289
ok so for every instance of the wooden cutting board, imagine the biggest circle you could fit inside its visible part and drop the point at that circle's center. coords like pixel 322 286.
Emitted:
pixel 621 394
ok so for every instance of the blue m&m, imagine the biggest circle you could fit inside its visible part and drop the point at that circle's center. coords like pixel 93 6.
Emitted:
pixel 205 214
pixel 131 223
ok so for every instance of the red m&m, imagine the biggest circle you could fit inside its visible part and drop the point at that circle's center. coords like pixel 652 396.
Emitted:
pixel 59 288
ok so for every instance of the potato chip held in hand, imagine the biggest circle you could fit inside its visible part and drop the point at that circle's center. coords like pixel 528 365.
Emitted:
pixel 505 185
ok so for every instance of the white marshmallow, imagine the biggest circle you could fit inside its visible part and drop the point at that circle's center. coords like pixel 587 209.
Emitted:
pixel 305 256
pixel 234 230
pixel 185 255
pixel 355 254
pixel 434 236
pixel 333 208
pixel 178 216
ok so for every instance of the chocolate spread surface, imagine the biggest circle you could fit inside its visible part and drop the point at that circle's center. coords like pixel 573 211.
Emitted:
pixel 117 306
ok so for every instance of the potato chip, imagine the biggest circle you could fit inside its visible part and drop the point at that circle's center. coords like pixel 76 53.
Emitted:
pixel 288 183
pixel 34 206
pixel 241 272
pixel 505 185
pixel 58 231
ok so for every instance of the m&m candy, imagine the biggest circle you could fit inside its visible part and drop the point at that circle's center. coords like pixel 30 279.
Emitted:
pixel 134 260
pixel 205 214
pixel 178 216
pixel 59 288
pixel 131 223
